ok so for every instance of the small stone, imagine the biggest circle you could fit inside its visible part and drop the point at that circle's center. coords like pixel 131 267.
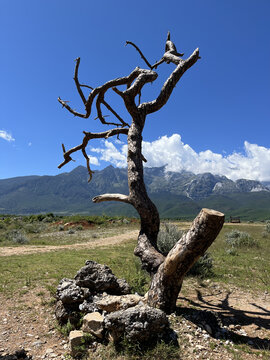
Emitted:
pixel 49 351
pixel 94 324
pixel 37 343
pixel 76 339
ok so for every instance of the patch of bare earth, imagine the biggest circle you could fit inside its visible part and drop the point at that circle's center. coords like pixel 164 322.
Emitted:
pixel 106 241
pixel 27 321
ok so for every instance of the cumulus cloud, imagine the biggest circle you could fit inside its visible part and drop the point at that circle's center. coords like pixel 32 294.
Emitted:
pixel 94 160
pixel 111 154
pixel 6 136
pixel 170 151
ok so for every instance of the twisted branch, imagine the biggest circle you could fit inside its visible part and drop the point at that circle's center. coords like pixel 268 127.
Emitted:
pixel 111 197
pixel 87 137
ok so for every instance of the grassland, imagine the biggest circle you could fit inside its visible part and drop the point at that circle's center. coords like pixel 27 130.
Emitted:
pixel 244 268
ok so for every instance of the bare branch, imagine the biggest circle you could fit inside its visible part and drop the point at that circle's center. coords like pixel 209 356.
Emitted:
pixel 87 86
pixel 139 51
pixel 101 90
pixel 114 113
pixel 77 81
pixel 154 66
pixel 75 113
pixel 90 172
pixel 111 197
pixel 170 83
pixel 87 137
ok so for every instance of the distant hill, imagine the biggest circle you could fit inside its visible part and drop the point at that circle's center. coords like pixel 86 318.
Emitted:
pixel 177 195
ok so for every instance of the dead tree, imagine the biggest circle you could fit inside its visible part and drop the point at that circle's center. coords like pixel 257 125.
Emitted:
pixel 167 273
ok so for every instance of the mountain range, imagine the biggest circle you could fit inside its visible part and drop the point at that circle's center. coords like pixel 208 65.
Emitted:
pixel 177 195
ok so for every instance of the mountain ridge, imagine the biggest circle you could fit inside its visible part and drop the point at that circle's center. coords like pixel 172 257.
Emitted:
pixel 175 194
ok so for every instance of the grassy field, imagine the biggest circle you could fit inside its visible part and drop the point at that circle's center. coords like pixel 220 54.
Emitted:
pixel 246 267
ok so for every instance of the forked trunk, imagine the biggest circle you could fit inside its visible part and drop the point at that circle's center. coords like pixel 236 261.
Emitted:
pixel 167 281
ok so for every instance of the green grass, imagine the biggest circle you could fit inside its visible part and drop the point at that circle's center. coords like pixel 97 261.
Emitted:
pixel 20 273
pixel 61 230
pixel 246 263
pixel 48 268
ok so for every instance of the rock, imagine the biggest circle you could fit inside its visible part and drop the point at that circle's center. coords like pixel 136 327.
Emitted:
pixel 140 324
pixel 110 303
pixel 210 321
pixel 18 355
pixel 65 312
pixel 88 306
pixel 69 293
pixel 76 341
pixel 99 278
pixel 208 329
pixel 93 323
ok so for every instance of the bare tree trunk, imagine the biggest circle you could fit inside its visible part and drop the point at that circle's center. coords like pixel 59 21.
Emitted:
pixel 147 240
pixel 166 283
pixel 167 272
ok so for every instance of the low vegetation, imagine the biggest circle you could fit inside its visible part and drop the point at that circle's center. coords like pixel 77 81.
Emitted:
pixel 247 259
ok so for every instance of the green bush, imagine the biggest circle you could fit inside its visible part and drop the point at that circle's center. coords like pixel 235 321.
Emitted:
pixel 203 268
pixel 236 238
pixel 168 237
pixel 17 237
pixel 34 228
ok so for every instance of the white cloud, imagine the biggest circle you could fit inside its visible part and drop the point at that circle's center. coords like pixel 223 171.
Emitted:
pixel 111 154
pixel 177 156
pixel 93 160
pixel 6 136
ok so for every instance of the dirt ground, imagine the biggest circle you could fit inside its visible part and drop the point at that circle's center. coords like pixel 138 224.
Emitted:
pixel 27 320
pixel 31 249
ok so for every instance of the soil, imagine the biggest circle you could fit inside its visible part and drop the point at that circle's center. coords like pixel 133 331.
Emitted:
pixel 27 319
pixel 107 241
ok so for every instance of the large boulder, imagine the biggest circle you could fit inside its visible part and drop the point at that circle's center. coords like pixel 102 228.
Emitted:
pixel 99 278
pixel 138 324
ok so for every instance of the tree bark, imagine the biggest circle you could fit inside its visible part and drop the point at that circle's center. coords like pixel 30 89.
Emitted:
pixel 146 248
pixel 167 281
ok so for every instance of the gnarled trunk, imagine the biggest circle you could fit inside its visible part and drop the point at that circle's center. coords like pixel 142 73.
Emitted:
pixel 167 272
pixel 166 283
pixel 147 240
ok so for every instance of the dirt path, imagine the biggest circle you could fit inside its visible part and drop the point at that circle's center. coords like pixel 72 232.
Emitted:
pixel 31 249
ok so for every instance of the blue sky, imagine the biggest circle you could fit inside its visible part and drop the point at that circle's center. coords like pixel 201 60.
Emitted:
pixel 217 118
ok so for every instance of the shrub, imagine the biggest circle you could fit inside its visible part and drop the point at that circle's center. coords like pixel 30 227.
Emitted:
pixel 17 237
pixel 203 267
pixel 33 228
pixel 79 227
pixel 3 225
pixel 267 226
pixel 168 237
pixel 236 238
